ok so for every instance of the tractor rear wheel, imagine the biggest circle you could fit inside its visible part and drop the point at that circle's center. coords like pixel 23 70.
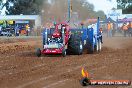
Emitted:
pixel 63 52
pixel 38 52
pixel 75 45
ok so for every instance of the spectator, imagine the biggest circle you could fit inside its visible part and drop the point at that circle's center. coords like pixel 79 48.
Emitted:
pixel 16 30
pixel 125 29
pixel 109 29
pixel 27 29
pixel 130 29
pixel 8 30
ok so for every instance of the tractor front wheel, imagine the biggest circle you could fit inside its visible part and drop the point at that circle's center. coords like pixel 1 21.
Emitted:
pixel 63 52
pixel 38 52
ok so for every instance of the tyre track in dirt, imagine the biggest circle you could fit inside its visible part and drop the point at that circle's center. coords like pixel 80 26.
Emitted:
pixel 92 71
pixel 96 63
pixel 123 60
pixel 76 68
pixel 39 68
pixel 71 57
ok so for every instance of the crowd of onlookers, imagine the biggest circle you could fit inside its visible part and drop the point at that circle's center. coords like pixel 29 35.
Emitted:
pixel 17 30
pixel 126 29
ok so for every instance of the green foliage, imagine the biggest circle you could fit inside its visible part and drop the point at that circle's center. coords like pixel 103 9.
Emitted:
pixel 128 10
pixel 125 5
pixel 100 14
pixel 24 7
pixel 56 9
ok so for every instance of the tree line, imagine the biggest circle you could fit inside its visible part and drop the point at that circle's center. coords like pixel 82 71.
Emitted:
pixel 51 8
pixel 125 5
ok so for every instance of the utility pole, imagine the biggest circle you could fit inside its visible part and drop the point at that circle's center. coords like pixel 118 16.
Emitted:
pixel 69 10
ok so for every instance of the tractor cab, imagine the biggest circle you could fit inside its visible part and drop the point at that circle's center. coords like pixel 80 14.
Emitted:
pixel 56 36
pixel 58 29
pixel 60 33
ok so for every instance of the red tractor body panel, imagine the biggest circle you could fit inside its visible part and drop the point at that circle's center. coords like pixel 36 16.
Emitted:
pixel 52 51
pixel 58 34
pixel 67 31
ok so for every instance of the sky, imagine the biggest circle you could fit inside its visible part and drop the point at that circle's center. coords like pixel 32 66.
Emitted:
pixel 104 5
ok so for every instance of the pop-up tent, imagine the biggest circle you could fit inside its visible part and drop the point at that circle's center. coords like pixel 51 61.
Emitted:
pixel 109 20
pixel 125 20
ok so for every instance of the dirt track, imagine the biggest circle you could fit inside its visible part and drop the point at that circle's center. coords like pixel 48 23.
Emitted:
pixel 20 68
